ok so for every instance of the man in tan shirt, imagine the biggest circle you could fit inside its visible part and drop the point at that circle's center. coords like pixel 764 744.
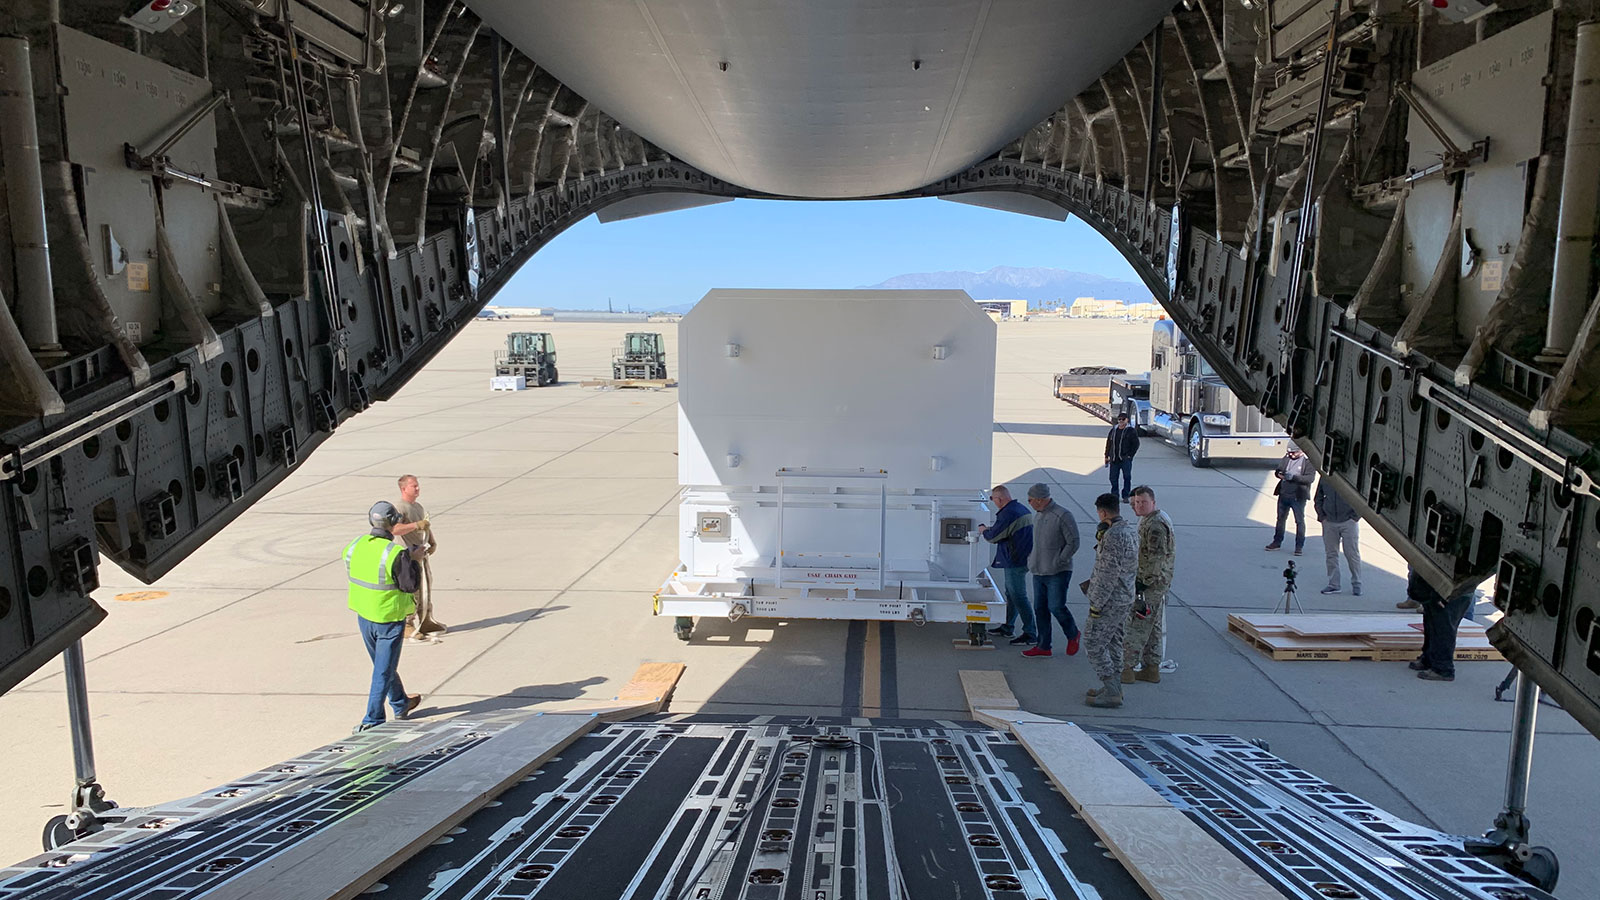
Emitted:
pixel 415 530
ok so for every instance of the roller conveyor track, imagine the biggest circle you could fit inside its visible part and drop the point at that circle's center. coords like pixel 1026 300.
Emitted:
pixel 719 807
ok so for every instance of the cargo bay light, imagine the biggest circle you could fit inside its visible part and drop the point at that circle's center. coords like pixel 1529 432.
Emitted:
pixel 835 466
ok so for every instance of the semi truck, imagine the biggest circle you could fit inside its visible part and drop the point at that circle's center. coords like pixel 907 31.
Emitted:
pixel 1181 400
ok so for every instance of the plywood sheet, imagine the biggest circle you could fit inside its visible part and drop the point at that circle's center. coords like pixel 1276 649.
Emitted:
pixel 652 682
pixel 341 862
pixel 1008 719
pixel 987 689
pixel 1319 626
pixel 1172 858
pixel 1082 769
pixel 612 712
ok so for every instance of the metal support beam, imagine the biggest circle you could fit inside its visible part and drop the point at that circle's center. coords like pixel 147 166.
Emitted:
pixel 88 797
pixel 78 714
pixel 1519 765
pixel 1154 130
pixel 502 152
pixel 330 291
pixel 19 132
pixel 1296 299
pixel 1570 287
pixel 1506 845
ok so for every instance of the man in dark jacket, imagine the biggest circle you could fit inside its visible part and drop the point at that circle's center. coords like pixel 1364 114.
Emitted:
pixel 1122 442
pixel 1294 474
pixel 1340 525
pixel 1012 537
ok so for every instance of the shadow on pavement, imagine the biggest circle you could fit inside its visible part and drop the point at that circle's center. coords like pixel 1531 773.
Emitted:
pixel 518 698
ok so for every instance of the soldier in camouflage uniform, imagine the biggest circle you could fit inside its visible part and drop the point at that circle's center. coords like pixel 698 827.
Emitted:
pixel 1157 553
pixel 1110 587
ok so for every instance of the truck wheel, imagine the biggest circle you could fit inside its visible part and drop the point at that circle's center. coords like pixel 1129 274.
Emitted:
pixel 538 378
pixel 555 376
pixel 1197 457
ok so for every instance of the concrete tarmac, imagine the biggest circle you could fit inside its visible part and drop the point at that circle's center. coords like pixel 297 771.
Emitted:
pixel 555 513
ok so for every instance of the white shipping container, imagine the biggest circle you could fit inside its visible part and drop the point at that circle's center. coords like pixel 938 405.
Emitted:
pixel 834 452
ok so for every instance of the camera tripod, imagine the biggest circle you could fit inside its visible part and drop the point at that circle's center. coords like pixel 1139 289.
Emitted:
pixel 1291 600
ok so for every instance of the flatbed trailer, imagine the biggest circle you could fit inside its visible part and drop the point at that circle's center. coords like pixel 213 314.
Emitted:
pixel 1088 388
pixel 1180 400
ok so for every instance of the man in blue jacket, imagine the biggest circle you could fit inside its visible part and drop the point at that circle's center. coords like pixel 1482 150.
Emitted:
pixel 1012 537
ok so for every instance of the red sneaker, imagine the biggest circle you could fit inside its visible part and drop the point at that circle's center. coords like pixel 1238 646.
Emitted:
pixel 1036 653
pixel 1072 647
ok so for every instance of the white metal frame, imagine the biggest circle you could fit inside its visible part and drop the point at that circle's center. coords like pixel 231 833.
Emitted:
pixel 765 590
pixel 879 475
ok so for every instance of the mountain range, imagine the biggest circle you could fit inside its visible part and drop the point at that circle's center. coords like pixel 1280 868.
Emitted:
pixel 1036 285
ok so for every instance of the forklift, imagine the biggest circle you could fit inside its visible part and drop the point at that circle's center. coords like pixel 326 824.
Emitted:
pixel 641 357
pixel 531 354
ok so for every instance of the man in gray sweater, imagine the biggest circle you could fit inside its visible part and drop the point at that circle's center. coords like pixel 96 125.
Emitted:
pixel 1055 539
pixel 1340 525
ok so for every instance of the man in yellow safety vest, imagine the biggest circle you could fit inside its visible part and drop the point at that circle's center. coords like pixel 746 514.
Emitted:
pixel 382 576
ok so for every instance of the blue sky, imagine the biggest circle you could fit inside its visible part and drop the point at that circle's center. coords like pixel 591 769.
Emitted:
pixel 674 258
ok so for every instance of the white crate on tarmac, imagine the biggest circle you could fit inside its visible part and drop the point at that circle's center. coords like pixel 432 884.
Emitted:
pixel 508 383
pixel 833 448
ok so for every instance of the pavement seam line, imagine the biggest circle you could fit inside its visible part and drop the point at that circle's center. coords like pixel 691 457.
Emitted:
pixel 335 556
pixel 559 594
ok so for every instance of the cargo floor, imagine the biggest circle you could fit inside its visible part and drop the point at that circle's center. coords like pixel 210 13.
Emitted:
pixel 766 808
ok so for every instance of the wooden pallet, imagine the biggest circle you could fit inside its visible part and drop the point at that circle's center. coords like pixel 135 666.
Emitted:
pixel 1380 637
pixel 654 384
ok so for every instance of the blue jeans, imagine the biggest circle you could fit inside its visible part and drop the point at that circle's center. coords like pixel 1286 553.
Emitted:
pixel 1440 619
pixel 1298 507
pixel 384 640
pixel 1124 467
pixel 1050 599
pixel 1017 605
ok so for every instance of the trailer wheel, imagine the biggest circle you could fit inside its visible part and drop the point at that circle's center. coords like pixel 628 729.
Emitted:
pixel 57 834
pixel 1197 457
pixel 975 634
pixel 683 627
